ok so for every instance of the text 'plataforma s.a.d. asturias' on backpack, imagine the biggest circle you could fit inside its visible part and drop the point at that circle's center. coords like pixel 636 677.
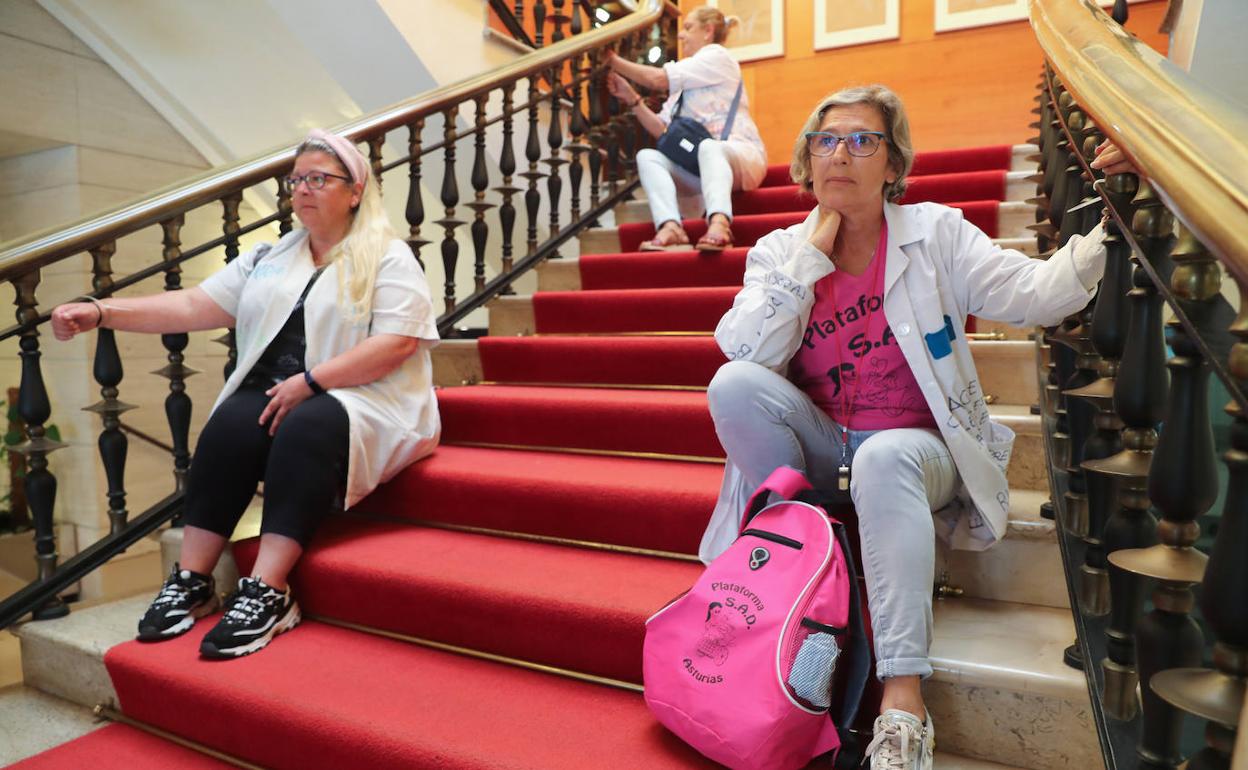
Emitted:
pixel 745 665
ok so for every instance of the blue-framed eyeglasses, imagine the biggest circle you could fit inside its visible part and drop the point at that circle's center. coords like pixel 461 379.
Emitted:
pixel 860 144
pixel 315 179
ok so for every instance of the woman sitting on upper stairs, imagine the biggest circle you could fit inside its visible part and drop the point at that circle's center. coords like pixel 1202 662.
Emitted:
pixel 863 307
pixel 332 393
pixel 705 85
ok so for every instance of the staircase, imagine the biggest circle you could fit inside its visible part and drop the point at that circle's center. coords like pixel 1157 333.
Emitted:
pixel 486 608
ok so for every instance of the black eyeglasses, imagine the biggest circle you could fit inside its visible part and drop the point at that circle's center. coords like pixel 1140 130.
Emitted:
pixel 860 144
pixel 315 179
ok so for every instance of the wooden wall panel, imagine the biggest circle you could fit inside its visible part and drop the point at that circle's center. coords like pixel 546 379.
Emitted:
pixel 963 88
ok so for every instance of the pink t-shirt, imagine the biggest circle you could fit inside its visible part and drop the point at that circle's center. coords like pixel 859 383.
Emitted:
pixel 849 359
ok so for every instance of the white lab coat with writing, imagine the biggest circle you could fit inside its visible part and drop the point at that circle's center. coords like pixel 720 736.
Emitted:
pixel 940 269
pixel 394 420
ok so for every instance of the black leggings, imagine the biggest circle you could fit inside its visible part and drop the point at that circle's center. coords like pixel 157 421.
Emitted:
pixel 304 467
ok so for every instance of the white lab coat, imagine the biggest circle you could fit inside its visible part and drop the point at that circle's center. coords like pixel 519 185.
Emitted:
pixel 938 265
pixel 394 420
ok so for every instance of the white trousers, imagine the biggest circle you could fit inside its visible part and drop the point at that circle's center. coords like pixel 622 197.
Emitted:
pixel 724 167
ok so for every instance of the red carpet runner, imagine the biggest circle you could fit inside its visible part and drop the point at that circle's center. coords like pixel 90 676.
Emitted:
pixel 518 457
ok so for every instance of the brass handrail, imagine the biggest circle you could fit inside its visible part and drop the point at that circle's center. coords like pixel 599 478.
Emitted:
pixel 31 252
pixel 1189 143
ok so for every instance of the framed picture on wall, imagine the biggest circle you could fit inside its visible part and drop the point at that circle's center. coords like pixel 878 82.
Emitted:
pixel 961 14
pixel 761 34
pixel 850 22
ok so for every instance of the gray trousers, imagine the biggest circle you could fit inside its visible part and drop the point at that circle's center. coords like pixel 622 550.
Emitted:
pixel 899 476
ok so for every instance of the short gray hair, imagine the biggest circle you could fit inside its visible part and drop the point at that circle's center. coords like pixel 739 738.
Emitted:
pixel 896 128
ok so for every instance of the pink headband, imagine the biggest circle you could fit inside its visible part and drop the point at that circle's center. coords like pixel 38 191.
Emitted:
pixel 347 152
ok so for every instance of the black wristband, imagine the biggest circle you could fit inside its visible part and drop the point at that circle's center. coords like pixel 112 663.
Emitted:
pixel 312 383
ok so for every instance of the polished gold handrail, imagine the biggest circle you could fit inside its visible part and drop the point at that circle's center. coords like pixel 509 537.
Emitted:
pixel 31 252
pixel 1189 144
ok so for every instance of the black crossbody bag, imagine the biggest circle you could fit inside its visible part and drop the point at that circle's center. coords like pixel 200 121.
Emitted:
pixel 683 135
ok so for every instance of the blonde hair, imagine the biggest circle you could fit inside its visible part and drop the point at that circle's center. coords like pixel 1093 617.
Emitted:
pixel 896 130
pixel 360 250
pixel 714 18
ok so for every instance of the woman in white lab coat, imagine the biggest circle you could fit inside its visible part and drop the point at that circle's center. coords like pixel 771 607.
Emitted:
pixel 331 395
pixel 848 361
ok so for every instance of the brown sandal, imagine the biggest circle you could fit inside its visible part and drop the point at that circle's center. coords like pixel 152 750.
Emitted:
pixel 671 236
pixel 709 243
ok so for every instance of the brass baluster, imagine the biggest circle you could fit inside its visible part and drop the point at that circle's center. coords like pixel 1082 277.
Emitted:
pixel 231 228
pixel 554 139
pixel 1218 695
pixel 1184 485
pixel 450 197
pixel 480 181
pixel 507 167
pixel 177 403
pixel 532 152
pixel 414 213
pixel 33 406
pixel 108 371
pixel 1139 398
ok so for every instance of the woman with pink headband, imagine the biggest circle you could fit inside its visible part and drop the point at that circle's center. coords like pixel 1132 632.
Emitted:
pixel 332 393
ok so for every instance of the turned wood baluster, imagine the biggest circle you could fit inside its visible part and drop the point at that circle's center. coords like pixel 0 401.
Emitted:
pixel 33 406
pixel 108 372
pixel 596 132
pixel 450 198
pixel 507 167
pixel 1109 328
pixel 1219 695
pixel 414 213
pixel 554 139
pixel 539 22
pixel 1183 483
pixel 177 403
pixel 533 153
pixel 1139 398
pixel 577 26
pixel 577 127
pixel 556 20
pixel 285 209
pixel 480 181
pixel 519 10
pixel 231 228
pixel 374 157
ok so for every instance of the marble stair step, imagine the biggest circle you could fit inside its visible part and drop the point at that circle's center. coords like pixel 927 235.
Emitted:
pixel 32 721
pixel 1000 691
pixel 1018 187
pixel 1012 221
pixel 1017 695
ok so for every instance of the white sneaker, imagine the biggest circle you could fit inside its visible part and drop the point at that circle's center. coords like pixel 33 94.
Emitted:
pixel 902 742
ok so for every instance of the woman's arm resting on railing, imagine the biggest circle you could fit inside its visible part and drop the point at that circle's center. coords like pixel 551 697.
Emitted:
pixel 621 90
pixel 651 77
pixel 370 360
pixel 171 312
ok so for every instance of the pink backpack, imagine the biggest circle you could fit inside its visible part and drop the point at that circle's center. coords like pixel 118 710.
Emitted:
pixel 743 665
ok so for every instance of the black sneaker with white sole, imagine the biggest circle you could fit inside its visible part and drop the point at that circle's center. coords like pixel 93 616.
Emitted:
pixel 254 614
pixel 184 598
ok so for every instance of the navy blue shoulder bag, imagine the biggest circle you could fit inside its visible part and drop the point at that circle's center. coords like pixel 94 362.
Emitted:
pixel 683 135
